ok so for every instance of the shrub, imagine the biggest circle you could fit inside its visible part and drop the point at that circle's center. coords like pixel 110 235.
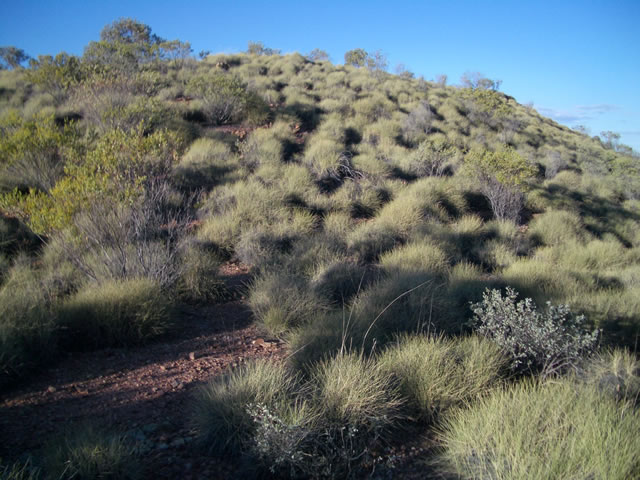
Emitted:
pixel 553 339
pixel 431 158
pixel 224 97
pixel 501 176
pixel 115 313
pixel 224 424
pixel 540 431
pixel 90 453
pixel 435 374
pixel 33 153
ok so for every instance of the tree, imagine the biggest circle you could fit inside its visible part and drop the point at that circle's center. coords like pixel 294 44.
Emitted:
pixel 317 55
pixel 258 48
pixel 610 139
pixel 501 176
pixel 12 57
pixel 441 80
pixel 377 61
pixel 357 57
pixel 56 74
pixel 476 80
pixel 126 44
pixel 402 71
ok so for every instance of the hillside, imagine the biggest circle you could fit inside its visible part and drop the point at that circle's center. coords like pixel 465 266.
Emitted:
pixel 371 223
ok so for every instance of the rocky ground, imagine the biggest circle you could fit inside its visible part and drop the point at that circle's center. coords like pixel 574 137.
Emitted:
pixel 146 391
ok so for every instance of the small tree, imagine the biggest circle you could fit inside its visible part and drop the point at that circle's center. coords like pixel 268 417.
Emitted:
pixel 317 55
pixel 258 48
pixel 441 80
pixel 12 57
pixel 502 177
pixel 475 80
pixel 377 61
pixel 356 57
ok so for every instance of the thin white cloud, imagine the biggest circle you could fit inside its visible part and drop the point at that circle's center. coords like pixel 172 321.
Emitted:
pixel 578 113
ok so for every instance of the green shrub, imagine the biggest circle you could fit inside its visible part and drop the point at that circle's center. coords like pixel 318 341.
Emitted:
pixel 115 313
pixel 553 339
pixel 225 99
pixel 431 158
pixel 501 176
pixel 541 431
pixel 221 416
pixel 435 374
pixel 28 330
pixel 91 453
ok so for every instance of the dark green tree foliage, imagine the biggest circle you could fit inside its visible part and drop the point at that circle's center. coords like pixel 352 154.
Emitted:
pixel 56 74
pixel 127 44
pixel 12 57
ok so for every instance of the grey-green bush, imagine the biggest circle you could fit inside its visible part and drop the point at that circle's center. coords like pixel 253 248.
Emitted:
pixel 553 339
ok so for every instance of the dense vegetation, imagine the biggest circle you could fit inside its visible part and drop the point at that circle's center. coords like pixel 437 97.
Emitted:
pixel 373 210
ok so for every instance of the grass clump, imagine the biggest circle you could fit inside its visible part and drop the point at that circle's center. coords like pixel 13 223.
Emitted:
pixel 220 410
pixel 89 453
pixel 115 313
pixel 557 227
pixel 28 330
pixel 615 372
pixel 436 373
pixel 540 431
pixel 281 301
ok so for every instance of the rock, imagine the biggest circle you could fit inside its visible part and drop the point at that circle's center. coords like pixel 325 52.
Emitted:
pixel 192 356
pixel 51 389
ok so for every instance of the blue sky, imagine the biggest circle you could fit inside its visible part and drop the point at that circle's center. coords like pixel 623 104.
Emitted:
pixel 577 61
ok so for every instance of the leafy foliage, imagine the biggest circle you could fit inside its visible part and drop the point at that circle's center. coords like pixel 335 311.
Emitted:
pixel 553 339
pixel 502 177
